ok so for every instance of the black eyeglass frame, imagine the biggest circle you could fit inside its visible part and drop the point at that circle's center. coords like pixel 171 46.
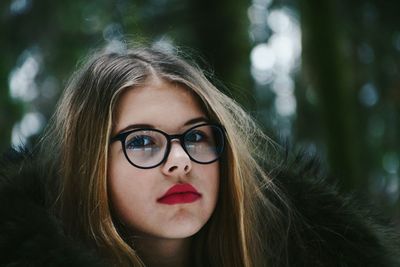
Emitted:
pixel 181 137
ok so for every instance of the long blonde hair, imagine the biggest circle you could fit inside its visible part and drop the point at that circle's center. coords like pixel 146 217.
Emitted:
pixel 77 145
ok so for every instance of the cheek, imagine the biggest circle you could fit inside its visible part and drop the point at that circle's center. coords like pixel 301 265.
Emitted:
pixel 215 179
pixel 210 177
pixel 128 189
pixel 216 183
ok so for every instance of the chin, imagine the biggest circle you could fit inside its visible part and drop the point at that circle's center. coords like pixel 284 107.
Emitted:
pixel 182 230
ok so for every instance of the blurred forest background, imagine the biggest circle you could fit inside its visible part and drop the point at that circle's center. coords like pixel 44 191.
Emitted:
pixel 324 75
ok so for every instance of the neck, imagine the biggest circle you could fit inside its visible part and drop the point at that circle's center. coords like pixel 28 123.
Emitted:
pixel 164 252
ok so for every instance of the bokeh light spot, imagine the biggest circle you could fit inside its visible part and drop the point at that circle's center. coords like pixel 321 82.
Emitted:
pixel 22 78
pixel 18 7
pixel 262 57
pixel 32 123
pixel 279 21
pixel 390 162
pixel 285 105
pixel 368 95
pixel 365 53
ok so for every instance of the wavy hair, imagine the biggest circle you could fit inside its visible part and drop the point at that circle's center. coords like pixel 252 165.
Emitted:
pixel 77 146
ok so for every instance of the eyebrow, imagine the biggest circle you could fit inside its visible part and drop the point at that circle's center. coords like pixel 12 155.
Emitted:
pixel 145 125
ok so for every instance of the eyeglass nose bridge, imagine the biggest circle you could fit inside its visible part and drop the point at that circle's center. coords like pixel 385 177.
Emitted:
pixel 175 137
pixel 180 138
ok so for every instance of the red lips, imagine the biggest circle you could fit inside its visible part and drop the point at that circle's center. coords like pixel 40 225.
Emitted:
pixel 180 193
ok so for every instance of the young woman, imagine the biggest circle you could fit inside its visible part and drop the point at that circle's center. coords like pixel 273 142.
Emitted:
pixel 146 163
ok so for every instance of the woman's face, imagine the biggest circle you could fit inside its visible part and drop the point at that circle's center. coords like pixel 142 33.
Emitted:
pixel 138 196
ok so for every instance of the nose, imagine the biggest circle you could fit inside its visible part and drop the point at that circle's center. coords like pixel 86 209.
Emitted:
pixel 178 162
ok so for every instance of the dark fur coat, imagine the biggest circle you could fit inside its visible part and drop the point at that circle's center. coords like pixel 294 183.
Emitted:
pixel 325 229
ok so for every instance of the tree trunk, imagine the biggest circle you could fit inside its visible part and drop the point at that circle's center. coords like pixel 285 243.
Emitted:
pixel 328 72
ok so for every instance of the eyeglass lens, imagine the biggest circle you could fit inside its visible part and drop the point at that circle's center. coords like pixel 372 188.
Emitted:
pixel 146 148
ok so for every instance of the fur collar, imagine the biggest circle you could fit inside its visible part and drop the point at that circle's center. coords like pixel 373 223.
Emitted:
pixel 325 229
pixel 29 234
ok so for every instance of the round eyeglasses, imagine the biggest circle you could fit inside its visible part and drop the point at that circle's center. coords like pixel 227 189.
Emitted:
pixel 148 148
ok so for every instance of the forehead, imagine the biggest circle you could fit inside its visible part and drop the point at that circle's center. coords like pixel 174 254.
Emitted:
pixel 159 103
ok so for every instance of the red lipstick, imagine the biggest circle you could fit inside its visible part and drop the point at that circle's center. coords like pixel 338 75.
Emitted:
pixel 180 193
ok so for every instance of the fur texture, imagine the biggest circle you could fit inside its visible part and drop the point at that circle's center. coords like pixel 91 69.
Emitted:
pixel 29 234
pixel 325 229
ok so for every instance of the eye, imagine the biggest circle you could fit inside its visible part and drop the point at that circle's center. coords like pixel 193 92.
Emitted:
pixel 195 136
pixel 140 142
